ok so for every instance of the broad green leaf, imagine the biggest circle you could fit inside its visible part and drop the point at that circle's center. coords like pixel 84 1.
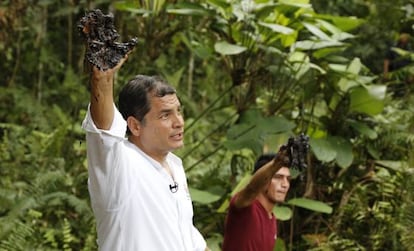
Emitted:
pixel 143 8
pixel 175 77
pixel 203 197
pixel 337 34
pixel 289 40
pixel 347 83
pixel 344 23
pixel 253 143
pixel 316 31
pixel 273 124
pixel 368 100
pixel 325 52
pixel 278 28
pixel 300 63
pixel 318 68
pixel 276 125
pixel 395 165
pixel 214 241
pixel 219 3
pixel 363 129
pixel 282 213
pixel 225 48
pixel 199 49
pixel 189 12
pixel 355 66
pixel 313 205
pixel 280 245
pixel 374 151
pixel 337 67
pixel 253 130
pixel 323 149
pixel 314 45
pixel 298 3
pixel 328 26
pixel 239 130
pixel 342 36
pixel 320 109
pixel 351 71
pixel 187 8
pixel 344 156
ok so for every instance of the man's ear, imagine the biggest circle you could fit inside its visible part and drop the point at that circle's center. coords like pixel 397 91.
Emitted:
pixel 134 125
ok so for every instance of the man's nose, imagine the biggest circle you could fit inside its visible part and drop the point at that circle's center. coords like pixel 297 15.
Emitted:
pixel 285 182
pixel 178 120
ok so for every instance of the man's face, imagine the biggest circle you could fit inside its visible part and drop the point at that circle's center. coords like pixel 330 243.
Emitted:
pixel 163 128
pixel 279 186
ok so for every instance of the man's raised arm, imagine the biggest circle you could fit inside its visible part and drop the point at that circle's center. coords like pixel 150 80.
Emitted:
pixel 260 179
pixel 102 95
pixel 105 56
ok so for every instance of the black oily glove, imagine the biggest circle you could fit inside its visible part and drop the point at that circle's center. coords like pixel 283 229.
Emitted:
pixel 296 150
pixel 100 37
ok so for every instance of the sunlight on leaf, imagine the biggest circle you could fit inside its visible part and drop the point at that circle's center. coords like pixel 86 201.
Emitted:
pixel 368 100
pixel 363 129
pixel 278 28
pixel 282 213
pixel 343 149
pixel 313 205
pixel 203 196
pixel 323 149
pixel 225 48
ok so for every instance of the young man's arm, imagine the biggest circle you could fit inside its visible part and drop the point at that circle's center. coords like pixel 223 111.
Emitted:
pixel 260 180
pixel 102 100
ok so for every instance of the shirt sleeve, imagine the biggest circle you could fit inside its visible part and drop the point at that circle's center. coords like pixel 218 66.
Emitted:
pixel 118 127
pixel 104 151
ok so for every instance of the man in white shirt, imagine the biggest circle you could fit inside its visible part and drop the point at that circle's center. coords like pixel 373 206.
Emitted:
pixel 137 186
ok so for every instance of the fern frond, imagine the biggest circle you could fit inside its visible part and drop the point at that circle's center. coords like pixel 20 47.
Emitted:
pixel 19 239
pixel 407 214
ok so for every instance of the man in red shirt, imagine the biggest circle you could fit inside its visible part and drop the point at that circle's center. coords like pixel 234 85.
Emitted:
pixel 250 223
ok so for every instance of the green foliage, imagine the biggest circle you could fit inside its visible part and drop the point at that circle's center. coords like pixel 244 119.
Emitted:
pixel 44 203
pixel 249 74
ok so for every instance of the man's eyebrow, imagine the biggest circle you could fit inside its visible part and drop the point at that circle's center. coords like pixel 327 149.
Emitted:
pixel 166 110
pixel 279 174
pixel 169 110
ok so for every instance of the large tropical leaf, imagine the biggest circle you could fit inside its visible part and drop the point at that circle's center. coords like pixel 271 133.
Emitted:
pixel 313 205
pixel 369 100
pixel 253 130
pixel 225 48
pixel 203 197
pixel 323 149
pixel 282 213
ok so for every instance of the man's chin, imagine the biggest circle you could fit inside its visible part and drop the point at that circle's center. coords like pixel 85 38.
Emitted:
pixel 177 146
pixel 280 199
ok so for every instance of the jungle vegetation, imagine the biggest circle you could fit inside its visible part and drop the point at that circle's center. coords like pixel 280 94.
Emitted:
pixel 250 74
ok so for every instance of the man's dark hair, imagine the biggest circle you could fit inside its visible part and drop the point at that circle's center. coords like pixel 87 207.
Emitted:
pixel 262 160
pixel 134 98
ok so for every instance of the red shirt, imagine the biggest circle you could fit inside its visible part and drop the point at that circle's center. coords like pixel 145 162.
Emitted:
pixel 249 228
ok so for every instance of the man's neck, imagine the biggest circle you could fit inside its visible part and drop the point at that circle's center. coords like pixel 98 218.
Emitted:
pixel 159 157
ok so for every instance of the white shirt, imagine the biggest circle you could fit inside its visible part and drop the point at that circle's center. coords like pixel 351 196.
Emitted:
pixel 131 198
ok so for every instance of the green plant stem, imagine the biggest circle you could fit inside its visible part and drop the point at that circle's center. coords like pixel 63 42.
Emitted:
pixel 209 108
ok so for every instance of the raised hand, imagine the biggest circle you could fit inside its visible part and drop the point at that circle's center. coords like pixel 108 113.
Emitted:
pixel 296 150
pixel 100 35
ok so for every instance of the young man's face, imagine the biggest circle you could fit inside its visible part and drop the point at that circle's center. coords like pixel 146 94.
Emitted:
pixel 279 186
pixel 163 127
